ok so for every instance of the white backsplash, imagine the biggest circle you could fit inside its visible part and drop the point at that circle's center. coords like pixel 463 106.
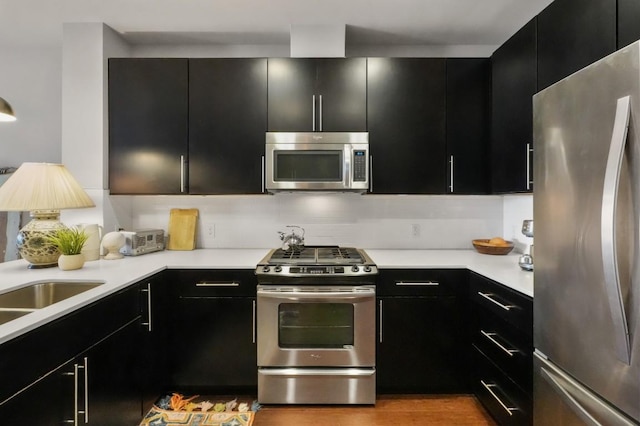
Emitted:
pixel 368 221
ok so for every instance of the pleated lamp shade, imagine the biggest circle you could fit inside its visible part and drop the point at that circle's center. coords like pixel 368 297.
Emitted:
pixel 6 112
pixel 42 186
pixel 43 189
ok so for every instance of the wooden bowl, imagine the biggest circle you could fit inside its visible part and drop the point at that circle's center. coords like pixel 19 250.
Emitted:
pixel 483 246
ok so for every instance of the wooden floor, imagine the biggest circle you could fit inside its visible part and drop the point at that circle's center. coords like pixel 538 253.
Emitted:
pixel 390 410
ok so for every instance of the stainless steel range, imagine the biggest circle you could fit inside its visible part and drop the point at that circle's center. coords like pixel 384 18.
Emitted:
pixel 316 326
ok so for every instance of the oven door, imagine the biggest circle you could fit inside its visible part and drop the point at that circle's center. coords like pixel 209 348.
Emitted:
pixel 316 326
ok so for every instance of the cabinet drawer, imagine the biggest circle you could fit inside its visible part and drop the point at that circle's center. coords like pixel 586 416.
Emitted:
pixel 500 396
pixel 215 283
pixel 507 347
pixel 515 308
pixel 421 282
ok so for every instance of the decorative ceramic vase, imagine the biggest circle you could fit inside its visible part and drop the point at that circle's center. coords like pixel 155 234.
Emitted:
pixel 112 242
pixel 69 262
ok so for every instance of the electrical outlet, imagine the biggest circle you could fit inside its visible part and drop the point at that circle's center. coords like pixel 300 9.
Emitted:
pixel 415 230
pixel 210 230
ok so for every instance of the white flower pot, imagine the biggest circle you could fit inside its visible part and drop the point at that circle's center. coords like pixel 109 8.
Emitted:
pixel 69 262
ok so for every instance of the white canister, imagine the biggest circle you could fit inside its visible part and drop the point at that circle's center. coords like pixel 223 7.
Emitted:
pixel 91 249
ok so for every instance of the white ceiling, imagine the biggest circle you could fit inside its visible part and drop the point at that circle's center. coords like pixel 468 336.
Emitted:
pixel 369 22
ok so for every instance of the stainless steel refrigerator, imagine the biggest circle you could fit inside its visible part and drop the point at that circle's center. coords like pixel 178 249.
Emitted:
pixel 587 261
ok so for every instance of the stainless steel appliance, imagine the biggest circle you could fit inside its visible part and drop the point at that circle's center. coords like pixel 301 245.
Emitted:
pixel 526 260
pixel 142 241
pixel 317 161
pixel 316 311
pixel 587 275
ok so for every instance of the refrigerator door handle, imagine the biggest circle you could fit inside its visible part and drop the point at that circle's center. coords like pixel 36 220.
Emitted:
pixel 608 230
pixel 568 399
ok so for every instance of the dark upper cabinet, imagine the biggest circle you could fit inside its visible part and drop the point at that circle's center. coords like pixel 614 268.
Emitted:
pixel 148 125
pixel 514 77
pixel 628 18
pixel 573 34
pixel 326 94
pixel 468 110
pixel 406 115
pixel 227 125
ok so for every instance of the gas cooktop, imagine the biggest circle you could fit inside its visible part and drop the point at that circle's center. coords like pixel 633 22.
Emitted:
pixel 316 261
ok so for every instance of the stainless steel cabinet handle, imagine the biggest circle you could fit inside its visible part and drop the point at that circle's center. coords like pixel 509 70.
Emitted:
pixel 182 173
pixel 148 291
pixel 371 173
pixel 608 230
pixel 320 107
pixel 489 336
pixel 313 113
pixel 492 300
pixel 253 322
pixel 217 284
pixel 418 284
pixel 74 373
pixel 451 174
pixel 86 389
pixel 263 174
pixel 380 308
pixel 489 387
pixel 529 180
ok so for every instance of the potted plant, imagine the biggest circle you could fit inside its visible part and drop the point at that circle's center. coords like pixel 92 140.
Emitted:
pixel 70 242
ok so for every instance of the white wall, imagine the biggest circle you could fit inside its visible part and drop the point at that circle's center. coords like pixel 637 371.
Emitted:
pixel 30 80
pixel 517 207
pixel 369 221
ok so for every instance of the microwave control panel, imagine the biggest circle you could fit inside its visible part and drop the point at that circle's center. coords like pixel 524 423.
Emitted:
pixel 359 165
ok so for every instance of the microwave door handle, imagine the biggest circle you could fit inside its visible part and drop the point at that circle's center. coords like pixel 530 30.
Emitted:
pixel 608 230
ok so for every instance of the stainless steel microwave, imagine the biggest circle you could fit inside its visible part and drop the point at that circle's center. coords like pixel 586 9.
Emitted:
pixel 317 161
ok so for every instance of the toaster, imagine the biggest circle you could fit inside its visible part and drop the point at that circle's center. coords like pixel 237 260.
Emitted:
pixel 142 241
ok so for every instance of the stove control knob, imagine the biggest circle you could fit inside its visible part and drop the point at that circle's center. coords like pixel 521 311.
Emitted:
pixel 266 269
pixel 355 268
pixel 278 268
pixel 367 268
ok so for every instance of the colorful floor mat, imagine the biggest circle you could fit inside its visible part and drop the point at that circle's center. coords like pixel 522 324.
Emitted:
pixel 160 417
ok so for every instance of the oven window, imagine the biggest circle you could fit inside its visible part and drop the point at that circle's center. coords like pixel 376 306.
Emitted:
pixel 315 325
pixel 308 166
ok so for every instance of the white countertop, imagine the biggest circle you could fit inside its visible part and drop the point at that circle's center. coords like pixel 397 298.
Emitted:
pixel 118 274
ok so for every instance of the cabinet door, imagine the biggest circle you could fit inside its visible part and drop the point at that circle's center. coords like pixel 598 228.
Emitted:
pixel 421 345
pixel 113 374
pixel 158 300
pixel 49 401
pixel 312 95
pixel 227 125
pixel 291 87
pixel 406 116
pixel 148 126
pixel 628 18
pixel 573 34
pixel 468 113
pixel 513 86
pixel 219 351
pixel 342 92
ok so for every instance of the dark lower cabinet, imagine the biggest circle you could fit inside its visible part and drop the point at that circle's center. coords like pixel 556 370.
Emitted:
pixel 110 368
pixel 406 116
pixel 422 332
pixel 502 350
pixel 215 320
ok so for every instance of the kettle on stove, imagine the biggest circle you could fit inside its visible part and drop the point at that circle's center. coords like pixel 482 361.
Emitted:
pixel 292 241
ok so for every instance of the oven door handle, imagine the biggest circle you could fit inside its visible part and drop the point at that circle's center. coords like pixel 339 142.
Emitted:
pixel 322 296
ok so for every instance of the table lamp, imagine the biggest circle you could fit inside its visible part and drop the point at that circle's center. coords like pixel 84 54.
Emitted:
pixel 6 112
pixel 43 189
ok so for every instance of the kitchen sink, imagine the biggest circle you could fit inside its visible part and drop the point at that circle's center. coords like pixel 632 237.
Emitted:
pixel 40 295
